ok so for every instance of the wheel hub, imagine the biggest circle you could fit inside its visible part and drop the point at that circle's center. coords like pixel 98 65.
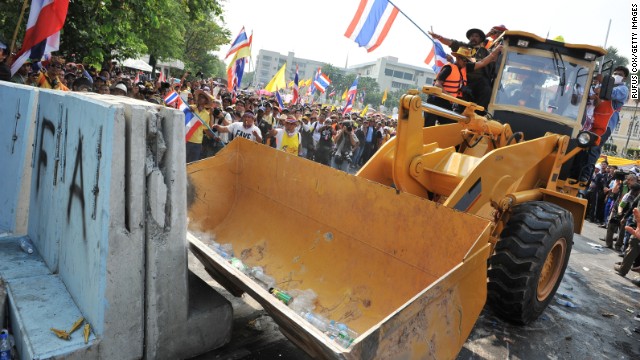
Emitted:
pixel 551 269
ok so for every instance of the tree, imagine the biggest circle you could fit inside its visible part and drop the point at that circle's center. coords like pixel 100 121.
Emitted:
pixel 612 54
pixel 96 31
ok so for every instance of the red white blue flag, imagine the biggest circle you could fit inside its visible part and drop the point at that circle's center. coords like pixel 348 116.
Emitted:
pixel 353 89
pixel 349 106
pixel 279 98
pixel 46 19
pixel 371 23
pixel 190 120
pixel 437 52
pixel 322 82
pixel 240 42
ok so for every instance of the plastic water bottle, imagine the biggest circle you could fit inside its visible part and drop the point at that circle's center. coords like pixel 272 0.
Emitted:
pixel 26 245
pixel 341 334
pixel 566 303
pixel 316 320
pixel 267 281
pixel 222 251
pixel 238 264
pixel 5 346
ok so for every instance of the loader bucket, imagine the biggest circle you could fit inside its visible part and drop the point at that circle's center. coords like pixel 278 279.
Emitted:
pixel 408 275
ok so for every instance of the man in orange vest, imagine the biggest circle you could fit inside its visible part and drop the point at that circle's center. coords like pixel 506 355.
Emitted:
pixel 480 82
pixel 452 79
pixel 605 119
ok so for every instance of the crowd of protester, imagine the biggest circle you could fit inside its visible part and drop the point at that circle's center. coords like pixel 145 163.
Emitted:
pixel 319 132
pixel 612 196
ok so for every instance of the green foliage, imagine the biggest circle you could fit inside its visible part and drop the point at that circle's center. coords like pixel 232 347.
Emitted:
pixel 97 31
pixel 618 60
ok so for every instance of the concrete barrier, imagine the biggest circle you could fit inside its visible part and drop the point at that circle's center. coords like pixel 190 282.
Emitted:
pixel 107 215
pixel 17 121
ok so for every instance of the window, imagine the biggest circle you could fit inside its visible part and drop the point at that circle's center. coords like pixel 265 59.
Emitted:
pixel 636 125
pixel 398 74
pixel 533 82
pixel 408 76
pixel 267 58
pixel 388 72
pixel 398 85
pixel 368 72
pixel 617 129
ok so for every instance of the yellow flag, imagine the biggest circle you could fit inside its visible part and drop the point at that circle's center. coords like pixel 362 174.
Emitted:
pixel 344 94
pixel 384 96
pixel 278 81
pixel 333 107
pixel 365 110
pixel 290 84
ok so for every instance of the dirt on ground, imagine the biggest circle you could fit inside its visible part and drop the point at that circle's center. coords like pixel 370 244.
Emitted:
pixel 600 326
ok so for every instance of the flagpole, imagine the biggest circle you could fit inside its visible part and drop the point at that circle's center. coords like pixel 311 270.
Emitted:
pixel 15 33
pixel 408 18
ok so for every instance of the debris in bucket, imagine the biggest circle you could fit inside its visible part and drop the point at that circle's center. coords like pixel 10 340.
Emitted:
pixel 303 300
pixel 5 345
pixel 318 321
pixel 281 295
pixel 585 268
pixel 566 303
pixel 630 310
pixel 607 314
pixel 238 264
pixel 226 250
pixel 261 278
pixel 341 334
pixel 566 296
pixel 626 331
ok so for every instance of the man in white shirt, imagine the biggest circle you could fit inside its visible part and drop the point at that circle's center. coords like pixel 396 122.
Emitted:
pixel 246 129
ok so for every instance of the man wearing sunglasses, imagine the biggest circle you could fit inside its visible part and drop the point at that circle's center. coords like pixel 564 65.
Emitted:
pixel 50 79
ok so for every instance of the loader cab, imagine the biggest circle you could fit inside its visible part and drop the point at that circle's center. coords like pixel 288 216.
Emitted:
pixel 541 85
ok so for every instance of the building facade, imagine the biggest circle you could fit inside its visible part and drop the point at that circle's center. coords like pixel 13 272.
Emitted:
pixel 393 75
pixel 269 62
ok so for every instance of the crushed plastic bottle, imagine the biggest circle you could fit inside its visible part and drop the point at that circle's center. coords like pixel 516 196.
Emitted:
pixel 318 321
pixel 341 334
pixel 5 346
pixel 238 264
pixel 263 279
pixel 226 250
pixel 26 245
pixel 566 303
pixel 281 295
pixel 303 300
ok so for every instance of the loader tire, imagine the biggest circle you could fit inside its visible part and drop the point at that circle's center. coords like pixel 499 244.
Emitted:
pixel 529 261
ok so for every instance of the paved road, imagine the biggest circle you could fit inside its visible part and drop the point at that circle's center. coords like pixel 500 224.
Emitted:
pixel 600 327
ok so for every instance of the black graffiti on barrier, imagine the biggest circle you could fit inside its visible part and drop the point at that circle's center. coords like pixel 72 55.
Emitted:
pixel 76 190
pixel 42 155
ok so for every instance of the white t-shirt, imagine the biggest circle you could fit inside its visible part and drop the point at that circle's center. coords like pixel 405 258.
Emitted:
pixel 238 129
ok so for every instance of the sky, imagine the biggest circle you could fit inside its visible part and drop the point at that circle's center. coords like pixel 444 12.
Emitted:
pixel 315 29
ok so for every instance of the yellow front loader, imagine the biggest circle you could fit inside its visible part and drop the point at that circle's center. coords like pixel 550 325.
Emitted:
pixel 438 222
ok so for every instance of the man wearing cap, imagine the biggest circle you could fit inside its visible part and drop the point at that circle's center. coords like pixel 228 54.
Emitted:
pixel 452 79
pixel 288 139
pixel 246 129
pixel 480 82
pixel 120 89
pixel 493 34
pixel 325 143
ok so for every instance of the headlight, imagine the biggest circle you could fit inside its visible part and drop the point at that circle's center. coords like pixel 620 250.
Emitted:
pixel 586 139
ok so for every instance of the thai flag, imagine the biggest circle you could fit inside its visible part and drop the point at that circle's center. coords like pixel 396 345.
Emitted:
pixel 349 106
pixel 322 82
pixel 371 23
pixel 353 89
pixel 333 93
pixel 171 98
pixel 296 89
pixel 312 89
pixel 241 41
pixel 46 19
pixel 279 98
pixel 437 53
pixel 137 78
pixel 191 121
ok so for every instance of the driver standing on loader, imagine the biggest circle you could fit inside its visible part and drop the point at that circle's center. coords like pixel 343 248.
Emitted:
pixel 481 81
pixel 452 79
